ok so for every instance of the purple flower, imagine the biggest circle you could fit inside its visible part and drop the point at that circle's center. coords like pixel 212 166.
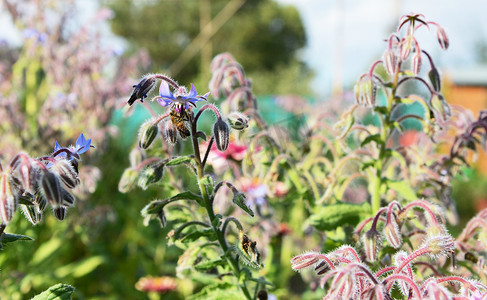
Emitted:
pixel 82 145
pixel 181 98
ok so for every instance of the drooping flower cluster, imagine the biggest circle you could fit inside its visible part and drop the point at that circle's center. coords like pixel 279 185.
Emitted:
pixel 32 183
pixel 348 277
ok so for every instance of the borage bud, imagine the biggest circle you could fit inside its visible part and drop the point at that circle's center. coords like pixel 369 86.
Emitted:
pixel 136 156
pixel 147 133
pixel 440 245
pixel 435 79
pixel 222 134
pixel 305 260
pixel 390 62
pixel 59 212
pixel 393 233
pixel 170 133
pixel 365 91
pixel 64 169
pixel 442 38
pixel 439 105
pixel 142 88
pixel 417 63
pixel 32 213
pixel 8 200
pixel 68 198
pixel 405 47
pixel 151 174
pixel 24 167
pixel 51 189
pixel 128 180
pixel 371 241
pixel 238 121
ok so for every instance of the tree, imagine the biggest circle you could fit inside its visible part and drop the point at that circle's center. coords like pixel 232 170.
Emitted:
pixel 263 35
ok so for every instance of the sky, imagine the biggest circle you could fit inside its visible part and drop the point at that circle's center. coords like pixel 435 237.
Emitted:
pixel 359 28
pixel 346 36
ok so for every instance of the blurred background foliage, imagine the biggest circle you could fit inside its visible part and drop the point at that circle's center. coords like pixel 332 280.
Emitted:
pixel 103 248
pixel 262 35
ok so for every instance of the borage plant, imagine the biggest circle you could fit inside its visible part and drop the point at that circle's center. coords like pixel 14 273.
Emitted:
pixel 32 183
pixel 222 250
pixel 408 178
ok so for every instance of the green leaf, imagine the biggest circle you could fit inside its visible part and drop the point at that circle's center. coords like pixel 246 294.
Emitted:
pixel 371 138
pixel 241 201
pixel 179 160
pixel 46 250
pixel 193 236
pixel 403 189
pixel 381 110
pixel 6 238
pixel 367 164
pixel 208 265
pixel 330 217
pixel 56 292
pixel 155 206
pixel 80 269
pixel 208 182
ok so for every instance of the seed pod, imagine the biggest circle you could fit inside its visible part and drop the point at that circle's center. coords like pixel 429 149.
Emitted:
pixel 222 134
pixel 147 134
pixel 248 251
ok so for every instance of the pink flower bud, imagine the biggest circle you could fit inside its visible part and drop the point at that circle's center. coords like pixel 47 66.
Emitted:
pixel 390 62
pixel 304 261
pixel 8 200
pixel 442 38
pixel 417 63
pixel 371 241
pixel 392 233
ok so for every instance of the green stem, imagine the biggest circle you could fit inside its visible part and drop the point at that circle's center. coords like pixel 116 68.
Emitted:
pixel 208 204
pixel 385 132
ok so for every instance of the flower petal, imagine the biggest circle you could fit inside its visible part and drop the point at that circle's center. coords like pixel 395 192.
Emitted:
pixel 164 91
pixel 80 141
pixel 56 147
pixel 82 145
pixel 192 92
pixel 164 101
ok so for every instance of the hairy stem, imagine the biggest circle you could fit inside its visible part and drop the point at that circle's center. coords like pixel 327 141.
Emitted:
pixel 208 204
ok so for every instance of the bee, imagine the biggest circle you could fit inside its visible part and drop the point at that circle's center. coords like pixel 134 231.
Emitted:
pixel 248 251
pixel 180 118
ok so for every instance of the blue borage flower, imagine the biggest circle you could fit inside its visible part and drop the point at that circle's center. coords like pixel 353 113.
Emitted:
pixel 181 99
pixel 82 145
